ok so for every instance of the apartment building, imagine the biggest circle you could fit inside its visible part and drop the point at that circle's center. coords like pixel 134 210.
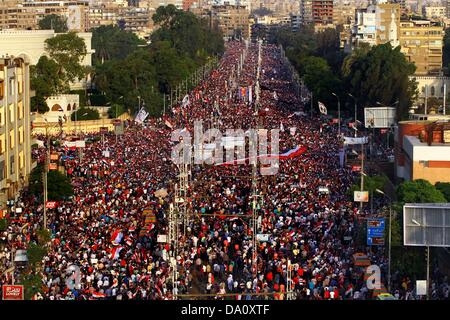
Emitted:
pixel 16 14
pixel 322 12
pixel 436 13
pixel 422 43
pixel 15 126
pixel 13 16
pixel 76 12
pixel 230 19
pixel 377 24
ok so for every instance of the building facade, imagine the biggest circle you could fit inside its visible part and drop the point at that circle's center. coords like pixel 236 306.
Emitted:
pixel 422 151
pixel 232 20
pixel 377 24
pixel 15 126
pixel 422 43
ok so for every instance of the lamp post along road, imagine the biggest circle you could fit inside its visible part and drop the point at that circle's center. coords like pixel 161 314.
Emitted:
pixel 389 236
pixel 339 113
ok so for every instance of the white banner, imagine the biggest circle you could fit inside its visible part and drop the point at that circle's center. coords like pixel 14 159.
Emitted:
pixel 322 108
pixel 361 196
pixel 293 130
pixel 185 101
pixel 358 140
pixel 141 116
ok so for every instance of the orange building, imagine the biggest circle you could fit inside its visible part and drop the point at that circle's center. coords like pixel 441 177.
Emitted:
pixel 422 150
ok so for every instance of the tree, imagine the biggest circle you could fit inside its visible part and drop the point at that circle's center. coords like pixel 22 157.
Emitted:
pixel 46 81
pixel 67 50
pixel 45 77
pixel 446 49
pixel 110 42
pixel 84 114
pixel 58 185
pixel 419 191
pixel 320 79
pixel 3 224
pixel 382 75
pixel 444 188
pixel 116 110
pixel 54 22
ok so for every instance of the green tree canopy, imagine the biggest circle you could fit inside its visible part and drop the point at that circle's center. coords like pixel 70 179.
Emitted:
pixel 321 80
pixel 419 191
pixel 84 114
pixel 54 22
pixel 68 51
pixel 110 42
pixel 381 75
pixel 444 188
pixel 58 185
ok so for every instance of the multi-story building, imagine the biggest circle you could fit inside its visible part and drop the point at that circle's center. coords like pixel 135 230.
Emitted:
pixel 76 12
pixel 13 16
pixel 344 13
pixel 306 15
pixel 137 20
pixel 435 13
pixel 422 150
pixel 377 24
pixel 15 126
pixel 422 42
pixel 322 12
pixel 18 14
pixel 232 20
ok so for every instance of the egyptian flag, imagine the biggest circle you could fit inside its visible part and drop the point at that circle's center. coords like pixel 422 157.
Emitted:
pixel 291 234
pixel 98 295
pixel 116 237
pixel 115 252
pixel 129 240
pixel 318 227
pixel 291 153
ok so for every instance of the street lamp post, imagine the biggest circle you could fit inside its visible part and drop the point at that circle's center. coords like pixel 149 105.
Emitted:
pixel 356 115
pixel 390 236
pixel 339 113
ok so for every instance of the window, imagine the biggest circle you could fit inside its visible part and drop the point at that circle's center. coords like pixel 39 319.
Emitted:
pixel 2 84
pixel 11 140
pixel 2 170
pixel 432 91
pixel 11 164
pixel 11 86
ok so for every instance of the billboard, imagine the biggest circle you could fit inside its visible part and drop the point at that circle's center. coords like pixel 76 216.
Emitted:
pixel 10 292
pixel 161 238
pixel 426 224
pixel 375 232
pixel 382 117
pixel 361 196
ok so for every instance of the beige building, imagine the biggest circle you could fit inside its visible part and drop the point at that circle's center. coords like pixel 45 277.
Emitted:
pixel 15 126
pixel 435 12
pixel 230 19
pixel 422 41
pixel 20 14
pixel 13 16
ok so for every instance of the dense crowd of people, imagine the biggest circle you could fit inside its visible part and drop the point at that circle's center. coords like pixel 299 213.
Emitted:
pixel 103 229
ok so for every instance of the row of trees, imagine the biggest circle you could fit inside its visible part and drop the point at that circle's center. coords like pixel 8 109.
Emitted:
pixel 125 67
pixel 378 74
